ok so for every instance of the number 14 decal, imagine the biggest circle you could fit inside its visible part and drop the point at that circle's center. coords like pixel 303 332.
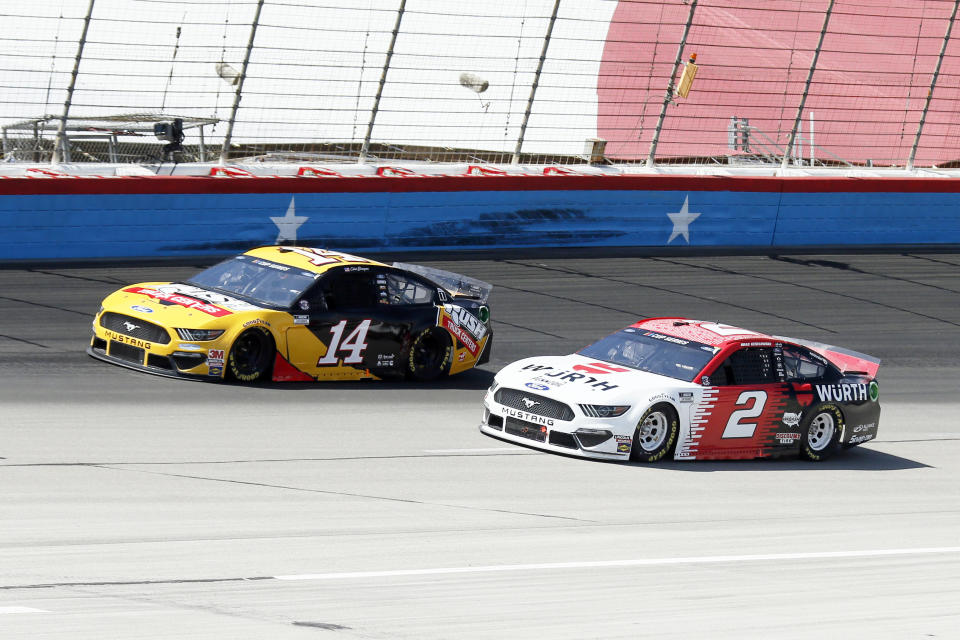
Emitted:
pixel 355 344
pixel 737 429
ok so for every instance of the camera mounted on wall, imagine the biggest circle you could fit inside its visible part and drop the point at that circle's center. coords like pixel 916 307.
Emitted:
pixel 172 133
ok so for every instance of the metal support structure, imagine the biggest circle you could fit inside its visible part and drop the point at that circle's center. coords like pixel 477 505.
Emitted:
pixel 60 141
pixel 668 98
pixel 365 149
pixel 806 88
pixel 536 82
pixel 810 142
pixel 933 85
pixel 225 150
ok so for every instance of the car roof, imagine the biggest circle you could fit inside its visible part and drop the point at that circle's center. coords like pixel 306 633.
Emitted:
pixel 310 258
pixel 709 333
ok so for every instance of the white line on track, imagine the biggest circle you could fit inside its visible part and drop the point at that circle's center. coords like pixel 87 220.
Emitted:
pixel 487 450
pixel 644 562
pixel 9 610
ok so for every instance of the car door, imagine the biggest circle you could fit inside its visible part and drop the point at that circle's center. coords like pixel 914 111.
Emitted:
pixel 361 318
pixel 742 406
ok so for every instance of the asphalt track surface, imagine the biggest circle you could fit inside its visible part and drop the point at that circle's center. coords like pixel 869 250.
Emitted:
pixel 134 506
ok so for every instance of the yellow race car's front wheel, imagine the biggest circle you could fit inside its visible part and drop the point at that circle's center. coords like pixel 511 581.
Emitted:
pixel 251 356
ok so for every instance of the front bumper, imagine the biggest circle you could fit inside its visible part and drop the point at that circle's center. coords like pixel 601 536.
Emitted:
pixel 162 354
pixel 568 437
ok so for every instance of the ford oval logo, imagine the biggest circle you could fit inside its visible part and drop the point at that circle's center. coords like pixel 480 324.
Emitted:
pixel 141 309
pixel 537 387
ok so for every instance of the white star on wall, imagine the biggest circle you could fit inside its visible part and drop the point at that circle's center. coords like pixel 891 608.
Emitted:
pixel 681 221
pixel 288 224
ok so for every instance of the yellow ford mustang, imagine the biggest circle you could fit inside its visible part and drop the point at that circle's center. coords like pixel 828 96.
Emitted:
pixel 298 314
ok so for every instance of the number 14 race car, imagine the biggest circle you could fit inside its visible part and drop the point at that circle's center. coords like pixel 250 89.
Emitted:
pixel 298 314
pixel 690 390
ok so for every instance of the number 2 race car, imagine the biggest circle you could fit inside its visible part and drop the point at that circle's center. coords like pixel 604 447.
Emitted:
pixel 298 314
pixel 691 390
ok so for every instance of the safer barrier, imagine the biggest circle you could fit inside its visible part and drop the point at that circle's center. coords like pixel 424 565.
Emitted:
pixel 158 216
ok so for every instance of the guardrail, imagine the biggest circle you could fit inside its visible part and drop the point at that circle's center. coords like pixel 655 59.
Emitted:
pixel 148 217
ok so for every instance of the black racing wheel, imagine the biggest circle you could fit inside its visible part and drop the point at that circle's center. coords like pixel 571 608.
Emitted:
pixel 821 433
pixel 251 356
pixel 430 354
pixel 656 434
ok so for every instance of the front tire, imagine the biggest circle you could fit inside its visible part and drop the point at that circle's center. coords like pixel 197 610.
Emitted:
pixel 430 355
pixel 656 434
pixel 251 356
pixel 821 433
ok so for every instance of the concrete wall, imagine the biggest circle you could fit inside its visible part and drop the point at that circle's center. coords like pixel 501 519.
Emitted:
pixel 77 218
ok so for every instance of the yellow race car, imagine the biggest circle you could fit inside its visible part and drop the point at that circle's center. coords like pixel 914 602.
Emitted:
pixel 299 314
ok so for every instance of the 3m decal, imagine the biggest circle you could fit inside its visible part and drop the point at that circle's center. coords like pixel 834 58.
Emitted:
pixel 355 344
pixel 737 429
pixel 841 392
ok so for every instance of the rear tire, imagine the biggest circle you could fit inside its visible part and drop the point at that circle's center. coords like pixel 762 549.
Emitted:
pixel 251 356
pixel 430 355
pixel 821 433
pixel 656 434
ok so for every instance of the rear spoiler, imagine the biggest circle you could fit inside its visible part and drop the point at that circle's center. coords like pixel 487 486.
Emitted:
pixel 458 286
pixel 847 360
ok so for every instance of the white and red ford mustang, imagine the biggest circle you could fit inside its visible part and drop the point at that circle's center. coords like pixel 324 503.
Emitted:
pixel 690 390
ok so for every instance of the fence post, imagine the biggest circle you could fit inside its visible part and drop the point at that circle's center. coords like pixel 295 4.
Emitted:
pixel 536 82
pixel 60 141
pixel 228 137
pixel 806 89
pixel 933 85
pixel 365 149
pixel 668 98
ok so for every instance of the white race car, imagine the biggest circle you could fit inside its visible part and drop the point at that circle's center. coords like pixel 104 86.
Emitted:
pixel 690 390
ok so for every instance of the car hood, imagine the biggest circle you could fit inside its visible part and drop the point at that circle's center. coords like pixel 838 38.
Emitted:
pixel 581 380
pixel 175 304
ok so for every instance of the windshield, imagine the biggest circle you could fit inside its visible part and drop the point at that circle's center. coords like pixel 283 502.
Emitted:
pixel 653 352
pixel 270 283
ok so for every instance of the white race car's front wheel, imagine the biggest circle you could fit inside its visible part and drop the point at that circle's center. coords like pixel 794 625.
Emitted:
pixel 656 433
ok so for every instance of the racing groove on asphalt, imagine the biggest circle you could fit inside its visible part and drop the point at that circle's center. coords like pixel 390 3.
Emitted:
pixel 138 505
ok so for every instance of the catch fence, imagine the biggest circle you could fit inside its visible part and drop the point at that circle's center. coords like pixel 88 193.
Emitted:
pixel 847 83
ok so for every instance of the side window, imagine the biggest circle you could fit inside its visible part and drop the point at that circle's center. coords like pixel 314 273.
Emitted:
pixel 800 364
pixel 349 290
pixel 403 290
pixel 746 366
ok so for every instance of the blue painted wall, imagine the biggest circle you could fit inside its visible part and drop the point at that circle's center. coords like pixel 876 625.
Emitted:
pixel 86 225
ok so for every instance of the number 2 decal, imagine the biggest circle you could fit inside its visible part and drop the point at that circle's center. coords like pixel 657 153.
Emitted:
pixel 355 344
pixel 737 429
